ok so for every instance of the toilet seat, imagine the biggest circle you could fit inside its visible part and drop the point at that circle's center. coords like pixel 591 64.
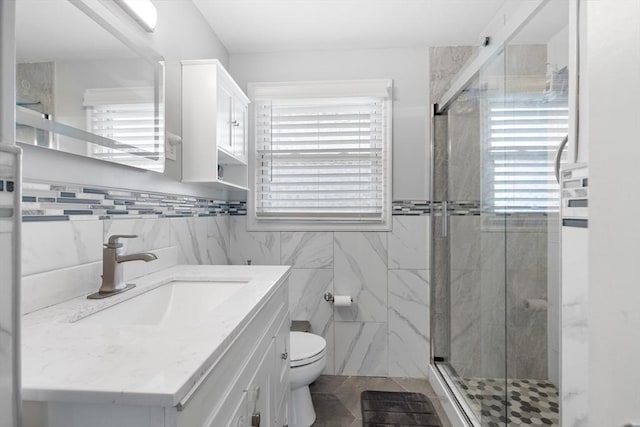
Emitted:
pixel 306 348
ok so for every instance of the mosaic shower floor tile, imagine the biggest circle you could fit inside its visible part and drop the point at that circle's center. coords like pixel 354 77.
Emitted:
pixel 529 402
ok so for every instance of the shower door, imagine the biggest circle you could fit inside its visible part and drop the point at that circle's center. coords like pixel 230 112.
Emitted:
pixel 471 235
pixel 495 224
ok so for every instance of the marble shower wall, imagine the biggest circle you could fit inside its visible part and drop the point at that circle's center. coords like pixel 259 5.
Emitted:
pixel 483 298
pixel 63 259
pixel 553 298
pixel 34 91
pixel 444 63
pixel 386 331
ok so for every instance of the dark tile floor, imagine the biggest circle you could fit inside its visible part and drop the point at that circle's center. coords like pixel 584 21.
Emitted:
pixel 337 398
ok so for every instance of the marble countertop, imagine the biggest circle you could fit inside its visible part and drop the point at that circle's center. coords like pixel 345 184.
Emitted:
pixel 63 361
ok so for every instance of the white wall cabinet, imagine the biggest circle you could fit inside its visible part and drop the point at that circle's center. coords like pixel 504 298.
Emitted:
pixel 214 125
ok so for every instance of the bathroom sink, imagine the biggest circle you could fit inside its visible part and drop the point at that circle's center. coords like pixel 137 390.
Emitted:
pixel 175 303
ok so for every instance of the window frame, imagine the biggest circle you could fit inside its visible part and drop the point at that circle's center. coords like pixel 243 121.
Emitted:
pixel 381 88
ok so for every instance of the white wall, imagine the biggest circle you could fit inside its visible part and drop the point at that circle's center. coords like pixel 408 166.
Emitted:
pixel 613 125
pixel 409 69
pixel 191 39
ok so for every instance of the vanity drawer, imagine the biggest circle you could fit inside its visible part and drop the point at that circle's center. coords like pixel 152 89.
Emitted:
pixel 240 413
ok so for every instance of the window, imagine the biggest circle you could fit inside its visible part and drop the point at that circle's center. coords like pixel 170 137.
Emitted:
pixel 321 156
pixel 523 135
pixel 127 117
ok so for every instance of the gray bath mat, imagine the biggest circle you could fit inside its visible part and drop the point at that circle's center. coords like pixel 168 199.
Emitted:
pixel 385 409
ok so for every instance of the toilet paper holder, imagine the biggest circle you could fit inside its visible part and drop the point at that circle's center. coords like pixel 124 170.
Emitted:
pixel 329 297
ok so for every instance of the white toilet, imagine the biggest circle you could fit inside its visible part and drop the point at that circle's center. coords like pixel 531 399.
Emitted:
pixel 308 359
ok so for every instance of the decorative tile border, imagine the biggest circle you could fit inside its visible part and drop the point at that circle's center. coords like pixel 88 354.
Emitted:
pixel 424 207
pixel 60 202
pixel 53 202
pixel 411 207
pixel 463 208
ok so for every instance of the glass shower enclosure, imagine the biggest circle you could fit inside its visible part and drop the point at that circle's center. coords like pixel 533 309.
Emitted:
pixel 495 224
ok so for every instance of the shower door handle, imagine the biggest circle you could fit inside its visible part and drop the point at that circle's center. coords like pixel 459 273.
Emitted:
pixel 559 157
pixel 445 219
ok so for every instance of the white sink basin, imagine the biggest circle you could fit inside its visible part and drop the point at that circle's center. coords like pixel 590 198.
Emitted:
pixel 175 303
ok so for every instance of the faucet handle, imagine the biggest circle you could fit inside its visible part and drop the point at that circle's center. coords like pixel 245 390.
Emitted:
pixel 114 243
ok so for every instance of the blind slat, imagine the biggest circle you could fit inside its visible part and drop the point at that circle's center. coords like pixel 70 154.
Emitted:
pixel 523 133
pixel 309 153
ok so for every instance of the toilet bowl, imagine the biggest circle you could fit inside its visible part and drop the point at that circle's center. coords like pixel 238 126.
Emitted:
pixel 308 359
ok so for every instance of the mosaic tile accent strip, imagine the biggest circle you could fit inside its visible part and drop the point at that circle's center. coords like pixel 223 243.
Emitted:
pixel 464 207
pixel 411 207
pixel 456 207
pixel 53 202
pixel 529 402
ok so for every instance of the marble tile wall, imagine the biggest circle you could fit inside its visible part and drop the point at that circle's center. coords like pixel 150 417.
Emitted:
pixel 63 259
pixel 575 349
pixel 386 331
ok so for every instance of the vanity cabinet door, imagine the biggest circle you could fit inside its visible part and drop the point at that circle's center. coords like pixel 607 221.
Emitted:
pixel 282 417
pixel 282 361
pixel 240 417
pixel 260 392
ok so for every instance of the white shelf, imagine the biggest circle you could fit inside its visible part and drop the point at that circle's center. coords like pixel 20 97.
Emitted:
pixel 225 185
pixel 231 186
pixel 226 158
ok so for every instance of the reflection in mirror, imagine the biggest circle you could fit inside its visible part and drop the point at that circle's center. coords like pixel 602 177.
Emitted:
pixel 80 90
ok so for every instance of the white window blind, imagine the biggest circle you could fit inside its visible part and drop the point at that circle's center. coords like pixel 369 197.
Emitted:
pixel 523 134
pixel 129 118
pixel 322 159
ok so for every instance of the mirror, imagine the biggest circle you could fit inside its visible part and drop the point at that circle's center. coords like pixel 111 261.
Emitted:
pixel 81 90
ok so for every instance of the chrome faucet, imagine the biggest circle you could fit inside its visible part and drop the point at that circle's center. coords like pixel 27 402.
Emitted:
pixel 112 268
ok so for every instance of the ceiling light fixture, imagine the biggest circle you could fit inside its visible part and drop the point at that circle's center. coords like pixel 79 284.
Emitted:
pixel 142 11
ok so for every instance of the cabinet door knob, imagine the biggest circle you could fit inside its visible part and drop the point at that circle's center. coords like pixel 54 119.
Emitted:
pixel 284 356
pixel 255 419
pixel 235 123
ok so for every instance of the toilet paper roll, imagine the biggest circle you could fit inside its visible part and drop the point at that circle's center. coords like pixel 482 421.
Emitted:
pixel 535 304
pixel 342 301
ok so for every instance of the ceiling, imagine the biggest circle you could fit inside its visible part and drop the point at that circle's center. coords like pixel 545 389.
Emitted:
pixel 250 26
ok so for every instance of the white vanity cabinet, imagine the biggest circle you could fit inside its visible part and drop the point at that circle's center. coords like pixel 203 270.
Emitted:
pixel 214 125
pixel 245 384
